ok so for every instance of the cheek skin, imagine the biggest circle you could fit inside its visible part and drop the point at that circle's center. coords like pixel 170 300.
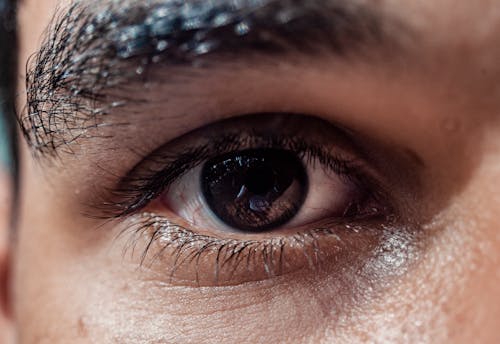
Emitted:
pixel 473 308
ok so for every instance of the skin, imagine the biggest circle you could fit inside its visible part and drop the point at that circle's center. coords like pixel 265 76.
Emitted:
pixel 72 284
pixel 5 202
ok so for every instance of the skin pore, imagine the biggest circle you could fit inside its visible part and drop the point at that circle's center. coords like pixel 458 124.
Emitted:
pixel 418 109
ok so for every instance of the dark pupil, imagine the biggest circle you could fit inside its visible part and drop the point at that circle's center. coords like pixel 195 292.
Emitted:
pixel 255 190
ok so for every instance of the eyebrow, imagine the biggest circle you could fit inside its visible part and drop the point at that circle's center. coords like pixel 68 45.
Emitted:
pixel 92 49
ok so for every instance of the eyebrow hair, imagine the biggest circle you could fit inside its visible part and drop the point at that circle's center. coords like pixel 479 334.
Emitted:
pixel 93 49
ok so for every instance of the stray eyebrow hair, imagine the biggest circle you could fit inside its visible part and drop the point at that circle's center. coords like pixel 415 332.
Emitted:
pixel 93 49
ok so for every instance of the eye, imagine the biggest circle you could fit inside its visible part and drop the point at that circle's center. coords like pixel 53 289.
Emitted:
pixel 259 190
pixel 253 197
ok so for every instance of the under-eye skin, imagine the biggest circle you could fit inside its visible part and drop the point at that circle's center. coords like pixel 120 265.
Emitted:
pixel 252 198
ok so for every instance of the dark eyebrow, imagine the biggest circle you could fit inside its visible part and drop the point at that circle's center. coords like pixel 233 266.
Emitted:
pixel 93 48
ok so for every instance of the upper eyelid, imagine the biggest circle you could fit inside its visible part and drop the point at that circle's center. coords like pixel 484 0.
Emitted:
pixel 140 185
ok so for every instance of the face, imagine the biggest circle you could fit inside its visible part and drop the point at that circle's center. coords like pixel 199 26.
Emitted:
pixel 271 171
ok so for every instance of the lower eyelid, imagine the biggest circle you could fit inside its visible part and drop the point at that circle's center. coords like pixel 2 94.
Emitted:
pixel 184 257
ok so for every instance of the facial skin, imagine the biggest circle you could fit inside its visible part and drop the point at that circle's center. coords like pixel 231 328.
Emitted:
pixel 422 103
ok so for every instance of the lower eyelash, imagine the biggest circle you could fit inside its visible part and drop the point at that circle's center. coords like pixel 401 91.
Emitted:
pixel 259 259
pixel 189 247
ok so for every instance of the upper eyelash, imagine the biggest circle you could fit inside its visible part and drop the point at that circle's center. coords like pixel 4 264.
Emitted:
pixel 141 185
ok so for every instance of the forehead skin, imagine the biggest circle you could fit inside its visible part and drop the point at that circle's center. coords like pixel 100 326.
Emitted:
pixel 457 49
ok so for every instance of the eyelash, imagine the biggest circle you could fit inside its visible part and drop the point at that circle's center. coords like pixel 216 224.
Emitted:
pixel 143 184
pixel 190 247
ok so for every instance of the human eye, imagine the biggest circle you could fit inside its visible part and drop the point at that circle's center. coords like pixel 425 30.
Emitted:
pixel 252 198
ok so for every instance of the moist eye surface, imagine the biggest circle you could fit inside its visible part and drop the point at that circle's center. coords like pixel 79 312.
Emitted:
pixel 255 190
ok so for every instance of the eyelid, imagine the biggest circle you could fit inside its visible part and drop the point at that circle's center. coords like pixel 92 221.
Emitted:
pixel 159 169
pixel 188 258
pixel 200 256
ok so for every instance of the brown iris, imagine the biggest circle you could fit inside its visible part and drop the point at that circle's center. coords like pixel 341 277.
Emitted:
pixel 255 190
